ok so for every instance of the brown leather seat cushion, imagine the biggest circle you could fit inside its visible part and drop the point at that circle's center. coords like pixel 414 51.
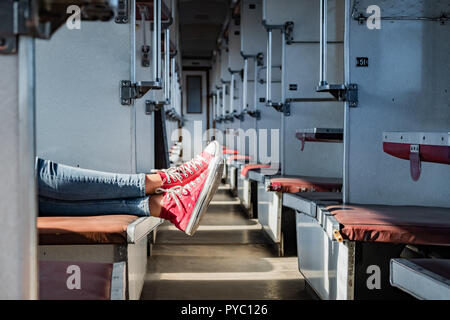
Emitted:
pixel 394 224
pixel 111 229
pixel 95 281
pixel 304 184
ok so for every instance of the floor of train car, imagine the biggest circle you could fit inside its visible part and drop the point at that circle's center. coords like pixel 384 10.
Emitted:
pixel 228 258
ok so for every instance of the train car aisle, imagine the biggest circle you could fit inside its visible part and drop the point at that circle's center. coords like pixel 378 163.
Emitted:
pixel 228 258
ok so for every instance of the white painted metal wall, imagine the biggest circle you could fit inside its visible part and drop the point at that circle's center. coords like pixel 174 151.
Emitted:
pixel 269 127
pixel 253 43
pixel 144 123
pixel 80 120
pixel 235 66
pixel 301 66
pixel 405 88
pixel 18 239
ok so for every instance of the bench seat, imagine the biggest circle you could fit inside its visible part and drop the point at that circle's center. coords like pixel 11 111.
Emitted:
pixel 307 202
pixel 273 212
pixel 110 229
pixel 99 239
pixel 393 224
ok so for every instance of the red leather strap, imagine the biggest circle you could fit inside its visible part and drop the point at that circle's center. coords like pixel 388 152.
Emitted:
pixel 414 162
pixel 303 140
pixel 418 153
pixel 250 167
pixel 228 151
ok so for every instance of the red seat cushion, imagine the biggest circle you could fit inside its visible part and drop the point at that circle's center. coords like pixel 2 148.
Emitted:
pixel 111 229
pixel 229 151
pixel 249 167
pixel 394 224
pixel 304 184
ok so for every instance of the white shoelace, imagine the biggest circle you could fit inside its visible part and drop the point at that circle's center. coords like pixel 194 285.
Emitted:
pixel 176 174
pixel 175 192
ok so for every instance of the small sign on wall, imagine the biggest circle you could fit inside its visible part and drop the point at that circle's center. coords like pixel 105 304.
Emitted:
pixel 362 62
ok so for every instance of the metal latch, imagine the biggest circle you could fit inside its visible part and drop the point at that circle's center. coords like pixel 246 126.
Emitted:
pixel 145 61
pixel 342 93
pixel 152 106
pixel 254 114
pixel 127 92
pixel 122 12
pixel 285 107
pixel 414 161
pixel 337 236
pixel 239 116
pixel 289 32
pixel 228 117
pixel 145 50
pixel 130 91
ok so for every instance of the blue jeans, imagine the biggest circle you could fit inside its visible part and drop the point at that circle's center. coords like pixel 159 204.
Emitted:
pixel 70 191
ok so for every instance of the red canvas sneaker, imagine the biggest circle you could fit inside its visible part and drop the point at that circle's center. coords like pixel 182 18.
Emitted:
pixel 189 171
pixel 185 206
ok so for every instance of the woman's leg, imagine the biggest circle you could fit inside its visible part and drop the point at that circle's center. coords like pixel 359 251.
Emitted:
pixel 183 205
pixel 133 206
pixel 61 182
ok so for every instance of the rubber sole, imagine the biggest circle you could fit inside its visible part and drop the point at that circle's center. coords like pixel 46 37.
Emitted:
pixel 209 190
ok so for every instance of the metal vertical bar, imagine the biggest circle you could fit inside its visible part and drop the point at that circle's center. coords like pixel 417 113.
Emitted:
pixel 159 41
pixel 133 38
pixel 18 239
pixel 219 102
pixel 232 94
pixel 27 154
pixel 154 41
pixel 283 67
pixel 173 81
pixel 143 13
pixel 167 65
pixel 347 79
pixel 255 86
pixel 269 68
pixel 323 42
pixel 224 90
pixel 156 47
pixel 175 88
pixel 133 80
pixel 214 106
pixel 244 86
pixel 283 101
